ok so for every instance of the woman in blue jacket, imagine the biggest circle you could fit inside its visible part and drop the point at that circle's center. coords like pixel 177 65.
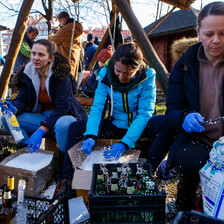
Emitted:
pixel 195 95
pixel 45 104
pixel 130 87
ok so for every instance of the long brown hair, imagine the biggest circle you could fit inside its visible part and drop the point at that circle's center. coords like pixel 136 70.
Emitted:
pixel 128 54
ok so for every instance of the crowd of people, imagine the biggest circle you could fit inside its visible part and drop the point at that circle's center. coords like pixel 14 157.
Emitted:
pixel 121 81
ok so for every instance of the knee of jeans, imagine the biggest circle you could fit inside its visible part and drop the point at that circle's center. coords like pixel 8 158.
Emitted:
pixel 64 122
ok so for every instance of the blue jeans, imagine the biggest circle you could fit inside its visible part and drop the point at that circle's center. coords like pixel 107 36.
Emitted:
pixel 30 122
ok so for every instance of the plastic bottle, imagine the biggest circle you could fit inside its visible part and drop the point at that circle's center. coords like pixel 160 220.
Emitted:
pixel 13 125
pixel 21 212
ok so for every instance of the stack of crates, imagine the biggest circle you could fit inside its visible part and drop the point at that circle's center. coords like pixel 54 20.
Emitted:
pixel 126 208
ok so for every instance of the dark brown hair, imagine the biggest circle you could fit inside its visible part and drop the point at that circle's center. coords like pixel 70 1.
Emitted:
pixel 51 47
pixel 213 8
pixel 128 54
pixel 31 29
pixel 63 15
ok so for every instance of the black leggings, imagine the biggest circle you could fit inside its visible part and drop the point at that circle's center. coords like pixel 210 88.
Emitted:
pixel 189 159
pixel 156 129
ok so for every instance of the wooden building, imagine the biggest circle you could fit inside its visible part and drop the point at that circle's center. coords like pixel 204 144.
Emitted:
pixel 178 24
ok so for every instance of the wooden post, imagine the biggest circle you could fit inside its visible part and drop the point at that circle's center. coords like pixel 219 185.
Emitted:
pixel 161 20
pixel 144 43
pixel 16 41
pixel 103 41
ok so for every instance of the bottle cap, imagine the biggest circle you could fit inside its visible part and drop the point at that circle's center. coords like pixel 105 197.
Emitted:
pixel 10 182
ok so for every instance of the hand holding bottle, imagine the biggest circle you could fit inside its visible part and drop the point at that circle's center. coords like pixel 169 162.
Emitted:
pixel 116 151
pixel 35 140
pixel 9 106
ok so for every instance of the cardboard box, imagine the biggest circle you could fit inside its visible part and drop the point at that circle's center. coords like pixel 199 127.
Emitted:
pixel 82 178
pixel 35 181
pixel 212 186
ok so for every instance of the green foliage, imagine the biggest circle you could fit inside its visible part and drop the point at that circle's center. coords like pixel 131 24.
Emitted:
pixel 161 108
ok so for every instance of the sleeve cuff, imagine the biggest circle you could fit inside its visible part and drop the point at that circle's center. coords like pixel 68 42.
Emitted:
pixel 125 145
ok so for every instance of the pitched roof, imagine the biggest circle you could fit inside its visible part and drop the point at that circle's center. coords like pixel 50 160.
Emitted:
pixel 176 21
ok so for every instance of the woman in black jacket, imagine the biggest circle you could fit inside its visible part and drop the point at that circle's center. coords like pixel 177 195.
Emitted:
pixel 45 104
pixel 195 95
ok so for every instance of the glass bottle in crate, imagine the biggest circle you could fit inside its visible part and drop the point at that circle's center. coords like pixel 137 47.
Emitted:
pixel 130 187
pixel 45 212
pixel 7 212
pixel 114 173
pixel 114 185
pixel 11 184
pixel 100 175
pixel 21 208
pixel 13 125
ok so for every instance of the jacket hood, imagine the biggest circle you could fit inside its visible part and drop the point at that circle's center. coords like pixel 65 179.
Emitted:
pixel 181 46
pixel 61 70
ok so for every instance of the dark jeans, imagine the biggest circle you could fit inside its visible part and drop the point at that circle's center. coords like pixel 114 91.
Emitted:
pixel 189 159
pixel 157 128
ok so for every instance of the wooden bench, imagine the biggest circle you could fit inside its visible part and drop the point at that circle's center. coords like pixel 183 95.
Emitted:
pixel 85 101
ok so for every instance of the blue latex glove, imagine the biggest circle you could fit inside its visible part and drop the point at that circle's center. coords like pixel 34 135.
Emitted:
pixel 192 123
pixel 116 151
pixel 3 107
pixel 35 140
pixel 87 145
pixel 9 106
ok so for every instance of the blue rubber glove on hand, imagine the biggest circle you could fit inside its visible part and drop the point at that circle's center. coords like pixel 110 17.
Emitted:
pixel 192 123
pixel 9 106
pixel 35 140
pixel 87 145
pixel 3 107
pixel 116 151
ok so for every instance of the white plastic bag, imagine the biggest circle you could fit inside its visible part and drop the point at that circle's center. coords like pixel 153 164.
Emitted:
pixel 77 210
pixel 212 181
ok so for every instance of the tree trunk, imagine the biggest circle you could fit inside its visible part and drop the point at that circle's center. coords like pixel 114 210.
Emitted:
pixel 144 43
pixel 16 41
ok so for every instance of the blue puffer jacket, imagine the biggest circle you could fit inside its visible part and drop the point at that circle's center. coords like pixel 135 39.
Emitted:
pixel 183 96
pixel 58 86
pixel 131 109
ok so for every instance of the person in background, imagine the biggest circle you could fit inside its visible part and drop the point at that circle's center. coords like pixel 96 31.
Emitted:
pixel 2 63
pixel 90 51
pixel 2 60
pixel 62 38
pixel 24 54
pixel 45 105
pixel 129 85
pixel 96 41
pixel 91 82
pixel 195 95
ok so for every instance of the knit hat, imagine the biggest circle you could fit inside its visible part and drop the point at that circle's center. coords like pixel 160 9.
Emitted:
pixel 105 54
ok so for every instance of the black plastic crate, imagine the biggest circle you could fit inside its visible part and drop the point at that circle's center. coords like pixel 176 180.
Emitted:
pixel 56 214
pixel 184 218
pixel 126 208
